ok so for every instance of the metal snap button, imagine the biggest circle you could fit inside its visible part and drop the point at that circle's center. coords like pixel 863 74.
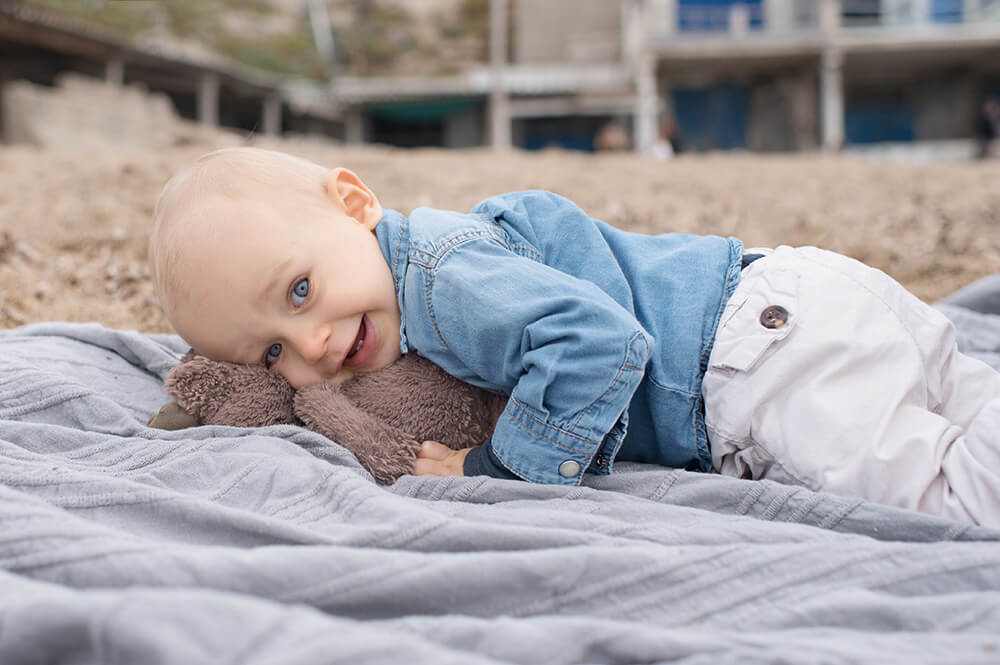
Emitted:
pixel 774 316
pixel 569 468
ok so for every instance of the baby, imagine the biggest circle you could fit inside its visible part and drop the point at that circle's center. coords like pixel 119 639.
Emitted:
pixel 796 364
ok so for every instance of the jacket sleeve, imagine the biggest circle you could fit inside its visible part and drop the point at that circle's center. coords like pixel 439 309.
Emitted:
pixel 568 354
pixel 482 461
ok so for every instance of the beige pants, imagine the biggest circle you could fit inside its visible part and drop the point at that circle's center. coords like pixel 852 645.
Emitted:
pixel 829 374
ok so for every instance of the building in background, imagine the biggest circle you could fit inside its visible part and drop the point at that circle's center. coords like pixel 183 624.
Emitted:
pixel 762 75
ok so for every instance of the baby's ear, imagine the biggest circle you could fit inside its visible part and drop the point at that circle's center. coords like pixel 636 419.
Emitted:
pixel 346 190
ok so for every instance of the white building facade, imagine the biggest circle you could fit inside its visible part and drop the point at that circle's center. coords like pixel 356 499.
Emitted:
pixel 767 75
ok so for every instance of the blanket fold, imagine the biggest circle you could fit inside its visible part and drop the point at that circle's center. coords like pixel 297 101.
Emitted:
pixel 122 543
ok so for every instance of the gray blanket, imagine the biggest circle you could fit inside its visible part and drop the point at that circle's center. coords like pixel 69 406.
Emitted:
pixel 123 544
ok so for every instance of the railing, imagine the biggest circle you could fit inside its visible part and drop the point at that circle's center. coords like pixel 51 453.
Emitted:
pixel 868 13
pixel 790 17
pixel 719 18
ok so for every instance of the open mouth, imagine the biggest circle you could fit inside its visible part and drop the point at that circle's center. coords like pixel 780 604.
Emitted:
pixel 364 345
pixel 359 341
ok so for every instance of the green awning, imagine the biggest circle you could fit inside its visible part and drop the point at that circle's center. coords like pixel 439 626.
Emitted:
pixel 424 111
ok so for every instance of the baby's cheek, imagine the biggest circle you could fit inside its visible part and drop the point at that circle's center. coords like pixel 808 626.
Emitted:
pixel 391 355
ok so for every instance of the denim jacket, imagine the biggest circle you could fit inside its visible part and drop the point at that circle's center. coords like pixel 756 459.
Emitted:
pixel 594 332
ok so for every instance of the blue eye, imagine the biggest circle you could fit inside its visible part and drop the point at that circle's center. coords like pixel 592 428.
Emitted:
pixel 300 291
pixel 272 354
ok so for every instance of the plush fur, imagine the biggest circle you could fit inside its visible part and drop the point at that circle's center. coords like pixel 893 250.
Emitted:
pixel 382 417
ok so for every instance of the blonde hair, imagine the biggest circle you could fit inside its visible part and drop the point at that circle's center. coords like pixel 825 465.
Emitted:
pixel 223 175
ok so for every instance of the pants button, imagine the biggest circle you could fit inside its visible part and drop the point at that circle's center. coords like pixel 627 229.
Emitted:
pixel 774 316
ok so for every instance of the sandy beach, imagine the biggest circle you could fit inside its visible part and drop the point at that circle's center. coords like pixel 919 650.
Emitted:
pixel 74 222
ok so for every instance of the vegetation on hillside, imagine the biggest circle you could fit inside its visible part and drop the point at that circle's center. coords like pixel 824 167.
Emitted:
pixel 372 37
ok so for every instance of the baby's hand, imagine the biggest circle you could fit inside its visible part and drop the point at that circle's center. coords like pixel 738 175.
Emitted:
pixel 435 459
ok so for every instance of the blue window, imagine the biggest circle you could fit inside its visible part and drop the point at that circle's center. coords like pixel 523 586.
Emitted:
pixel 873 122
pixel 712 118
pixel 713 15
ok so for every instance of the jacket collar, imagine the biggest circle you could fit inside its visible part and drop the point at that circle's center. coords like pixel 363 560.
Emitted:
pixel 393 233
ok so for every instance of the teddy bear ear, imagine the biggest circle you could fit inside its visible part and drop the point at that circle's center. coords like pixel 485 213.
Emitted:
pixel 197 384
pixel 171 416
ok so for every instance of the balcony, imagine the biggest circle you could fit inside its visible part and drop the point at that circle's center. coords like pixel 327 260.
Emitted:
pixel 672 23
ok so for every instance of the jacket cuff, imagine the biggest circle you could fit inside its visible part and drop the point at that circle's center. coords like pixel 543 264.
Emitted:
pixel 540 452
pixel 481 461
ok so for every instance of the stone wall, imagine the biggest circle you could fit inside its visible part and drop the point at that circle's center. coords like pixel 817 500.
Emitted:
pixel 82 111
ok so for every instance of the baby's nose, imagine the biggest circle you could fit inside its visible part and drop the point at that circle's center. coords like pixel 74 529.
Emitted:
pixel 313 342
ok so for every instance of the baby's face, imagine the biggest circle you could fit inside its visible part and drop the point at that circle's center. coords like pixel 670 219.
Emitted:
pixel 304 290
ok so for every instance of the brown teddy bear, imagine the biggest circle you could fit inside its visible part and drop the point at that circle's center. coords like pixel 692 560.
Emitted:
pixel 382 417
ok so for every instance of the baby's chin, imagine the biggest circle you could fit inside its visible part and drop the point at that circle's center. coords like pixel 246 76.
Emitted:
pixel 337 379
pixel 346 373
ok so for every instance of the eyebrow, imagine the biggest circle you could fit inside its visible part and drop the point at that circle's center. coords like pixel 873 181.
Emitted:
pixel 273 279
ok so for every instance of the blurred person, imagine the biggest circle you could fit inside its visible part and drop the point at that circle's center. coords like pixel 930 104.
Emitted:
pixel 793 364
pixel 667 143
pixel 987 127
pixel 611 137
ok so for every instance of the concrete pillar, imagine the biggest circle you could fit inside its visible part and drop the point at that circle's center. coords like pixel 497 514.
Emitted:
pixel 777 16
pixel 921 10
pixel 114 71
pixel 499 103
pixel 644 126
pixel 972 11
pixel 631 31
pixel 831 78
pixel 669 17
pixel 661 18
pixel 7 73
pixel 637 56
pixel 354 126
pixel 739 20
pixel 829 18
pixel 831 84
pixel 271 114
pixel 208 99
